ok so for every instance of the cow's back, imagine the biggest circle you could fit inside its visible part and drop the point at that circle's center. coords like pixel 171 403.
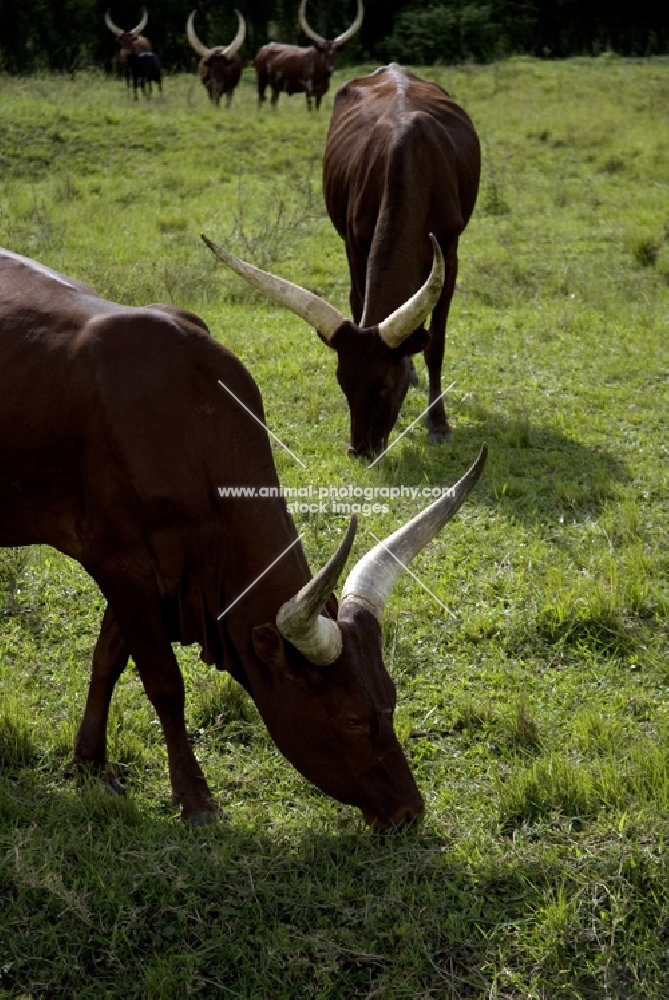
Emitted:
pixel 287 65
pixel 112 418
pixel 372 119
pixel 402 159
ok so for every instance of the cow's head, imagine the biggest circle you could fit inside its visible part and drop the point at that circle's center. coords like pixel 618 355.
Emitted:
pixel 329 49
pixel 127 39
pixel 216 61
pixel 326 695
pixel 328 54
pixel 375 397
pixel 373 367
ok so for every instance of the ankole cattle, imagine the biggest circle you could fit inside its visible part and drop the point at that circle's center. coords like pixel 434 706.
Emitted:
pixel 120 429
pixel 295 70
pixel 129 42
pixel 400 178
pixel 402 160
pixel 221 67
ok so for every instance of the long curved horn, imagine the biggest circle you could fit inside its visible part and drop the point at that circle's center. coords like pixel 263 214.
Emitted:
pixel 395 329
pixel 371 580
pixel 195 42
pixel 238 40
pixel 299 620
pixel 115 30
pixel 309 32
pixel 315 310
pixel 138 29
pixel 350 32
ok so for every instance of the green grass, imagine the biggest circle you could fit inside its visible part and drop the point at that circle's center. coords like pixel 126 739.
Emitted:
pixel 535 716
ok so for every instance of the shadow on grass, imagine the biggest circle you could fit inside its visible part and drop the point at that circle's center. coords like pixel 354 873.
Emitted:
pixel 101 898
pixel 535 474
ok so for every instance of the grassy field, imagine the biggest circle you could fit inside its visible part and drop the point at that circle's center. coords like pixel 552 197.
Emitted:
pixel 535 714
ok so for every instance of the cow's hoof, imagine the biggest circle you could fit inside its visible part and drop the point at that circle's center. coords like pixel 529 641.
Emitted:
pixel 205 818
pixel 113 786
pixel 440 437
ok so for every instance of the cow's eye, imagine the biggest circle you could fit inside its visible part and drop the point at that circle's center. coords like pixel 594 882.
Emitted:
pixel 356 725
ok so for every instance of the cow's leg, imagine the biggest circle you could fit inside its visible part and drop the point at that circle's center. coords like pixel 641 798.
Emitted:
pixel 275 96
pixel 228 99
pixel 438 429
pixel 139 616
pixel 261 82
pixel 109 660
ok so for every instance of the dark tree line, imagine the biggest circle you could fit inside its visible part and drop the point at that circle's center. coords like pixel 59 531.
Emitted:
pixel 66 34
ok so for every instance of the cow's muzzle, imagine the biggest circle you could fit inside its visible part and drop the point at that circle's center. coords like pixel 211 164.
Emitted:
pixel 367 450
pixel 401 818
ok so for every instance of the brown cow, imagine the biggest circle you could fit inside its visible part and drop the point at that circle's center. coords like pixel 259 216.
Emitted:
pixel 294 69
pixel 220 67
pixel 117 444
pixel 402 161
pixel 130 42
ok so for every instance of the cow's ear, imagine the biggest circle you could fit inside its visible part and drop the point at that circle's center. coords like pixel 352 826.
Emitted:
pixel 269 646
pixel 416 342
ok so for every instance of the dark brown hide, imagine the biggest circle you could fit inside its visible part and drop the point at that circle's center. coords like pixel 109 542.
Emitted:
pixel 295 70
pixel 220 67
pixel 402 160
pixel 129 45
pixel 145 70
pixel 220 74
pixel 115 438
pixel 292 69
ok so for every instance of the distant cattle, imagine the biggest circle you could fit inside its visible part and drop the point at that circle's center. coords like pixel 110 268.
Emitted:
pixel 297 70
pixel 129 42
pixel 121 429
pixel 145 70
pixel 220 67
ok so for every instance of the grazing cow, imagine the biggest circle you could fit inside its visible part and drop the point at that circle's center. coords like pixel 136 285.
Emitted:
pixel 120 430
pixel 145 69
pixel 220 67
pixel 129 42
pixel 402 161
pixel 294 69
